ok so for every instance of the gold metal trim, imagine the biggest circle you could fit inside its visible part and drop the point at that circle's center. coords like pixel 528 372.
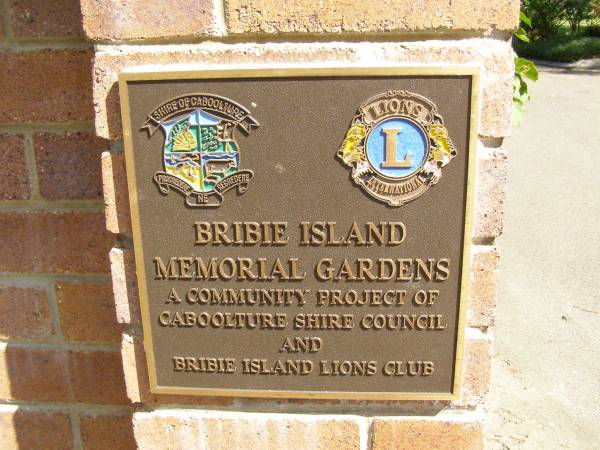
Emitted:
pixel 302 71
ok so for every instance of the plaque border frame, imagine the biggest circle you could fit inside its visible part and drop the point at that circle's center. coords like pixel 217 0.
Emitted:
pixel 146 73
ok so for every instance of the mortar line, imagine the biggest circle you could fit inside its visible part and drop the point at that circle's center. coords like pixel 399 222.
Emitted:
pixel 70 346
pixel 42 279
pixel 32 167
pixel 116 146
pixel 483 241
pixel 270 406
pixel 92 408
pixel 6 11
pixel 490 142
pixel 15 45
pixel 123 241
pixel 220 17
pixel 370 413
pixel 49 127
pixel 44 205
pixel 313 37
pixel 364 431
pixel 370 433
pixel 77 443
pixel 54 312
pixel 133 330
pixel 341 410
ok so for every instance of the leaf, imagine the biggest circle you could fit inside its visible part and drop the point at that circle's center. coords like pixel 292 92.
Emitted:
pixel 520 98
pixel 523 18
pixel 521 95
pixel 519 85
pixel 526 68
pixel 522 35
pixel 517 82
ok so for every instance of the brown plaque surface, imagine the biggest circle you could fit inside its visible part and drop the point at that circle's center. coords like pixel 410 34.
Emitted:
pixel 276 254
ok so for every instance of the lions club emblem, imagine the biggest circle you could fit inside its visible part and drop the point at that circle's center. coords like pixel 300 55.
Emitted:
pixel 200 156
pixel 396 146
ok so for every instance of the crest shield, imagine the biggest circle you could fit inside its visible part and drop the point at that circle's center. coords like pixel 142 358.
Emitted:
pixel 201 158
pixel 197 152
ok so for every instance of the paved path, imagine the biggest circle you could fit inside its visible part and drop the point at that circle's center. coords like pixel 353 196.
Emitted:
pixel 546 373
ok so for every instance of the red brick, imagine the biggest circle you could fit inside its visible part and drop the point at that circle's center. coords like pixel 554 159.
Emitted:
pixel 172 429
pixel 477 361
pixel 136 379
pixel 107 432
pixel 475 379
pixel 14 178
pixel 24 314
pixel 116 198
pixel 46 85
pixel 144 19
pixel 97 377
pixel 127 303
pixel 49 18
pixel 22 428
pixel 87 312
pixel 483 290
pixel 68 164
pixel 54 242
pixel 492 178
pixel 367 16
pixel 34 375
pixel 134 369
pixel 426 434
pixel 60 375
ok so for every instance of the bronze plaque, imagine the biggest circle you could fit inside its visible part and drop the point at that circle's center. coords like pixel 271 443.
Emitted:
pixel 302 232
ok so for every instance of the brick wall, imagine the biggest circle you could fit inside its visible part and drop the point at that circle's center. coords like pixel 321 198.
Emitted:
pixel 73 370
pixel 61 376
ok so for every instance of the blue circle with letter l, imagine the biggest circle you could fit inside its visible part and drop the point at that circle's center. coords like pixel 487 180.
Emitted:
pixel 396 147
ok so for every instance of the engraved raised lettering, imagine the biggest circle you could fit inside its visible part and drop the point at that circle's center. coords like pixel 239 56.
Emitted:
pixel 391 143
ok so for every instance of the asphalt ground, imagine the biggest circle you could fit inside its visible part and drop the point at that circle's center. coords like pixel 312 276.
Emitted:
pixel 545 391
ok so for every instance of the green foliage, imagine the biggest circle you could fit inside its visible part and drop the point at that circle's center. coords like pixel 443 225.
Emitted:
pixel 546 15
pixel 576 11
pixel 521 33
pixel 524 19
pixel 524 70
pixel 562 30
pixel 564 46
pixel 592 31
